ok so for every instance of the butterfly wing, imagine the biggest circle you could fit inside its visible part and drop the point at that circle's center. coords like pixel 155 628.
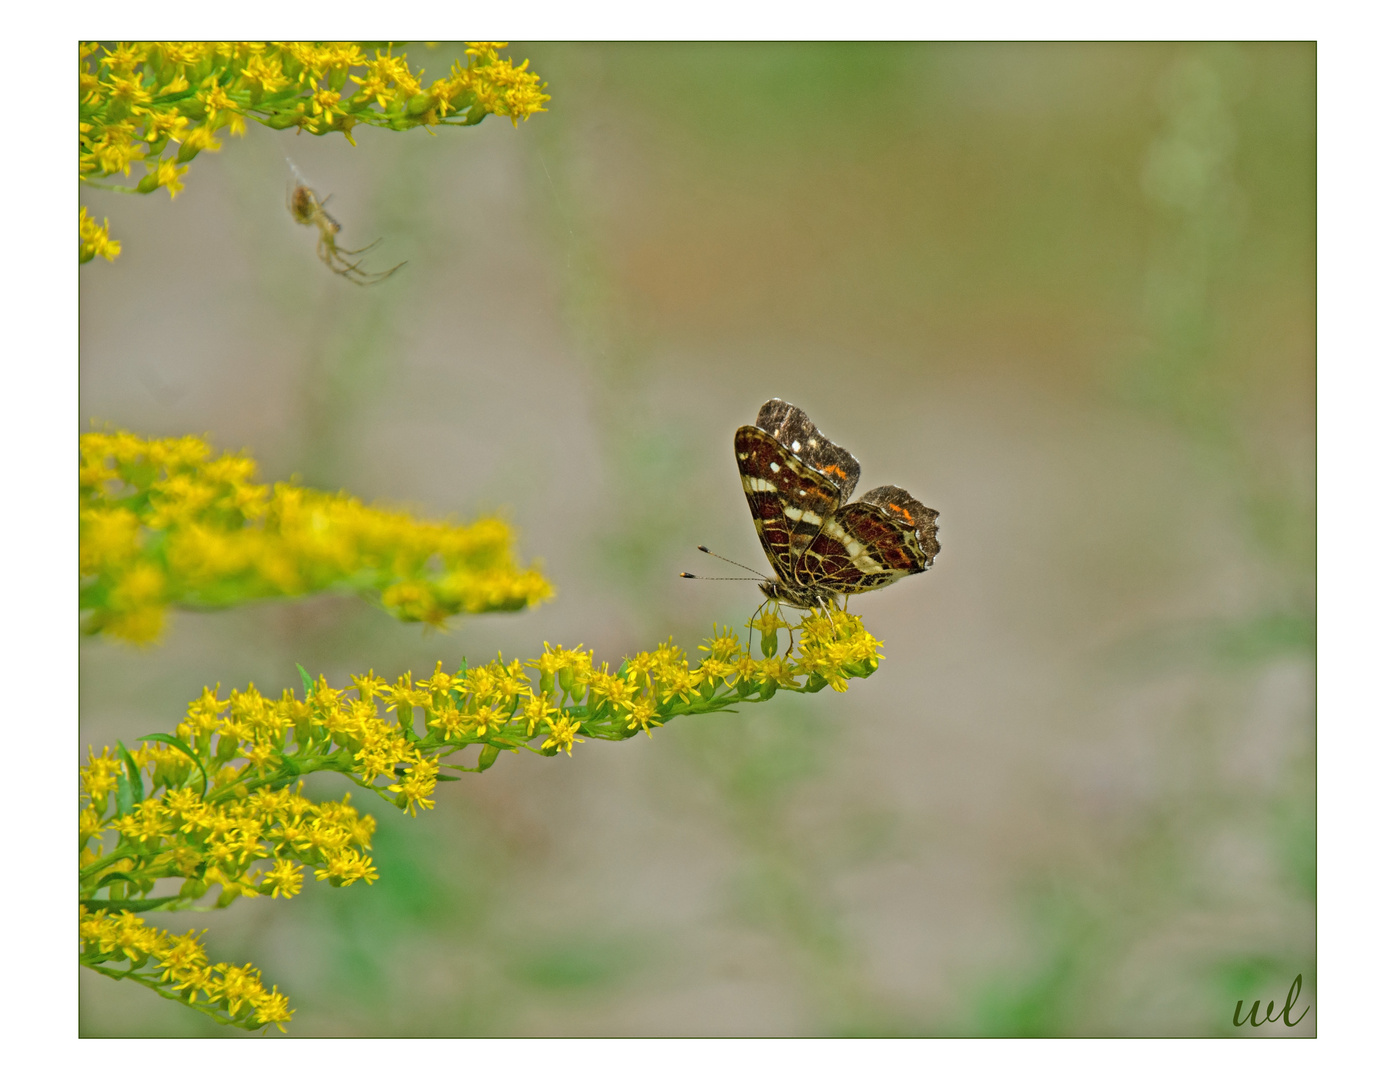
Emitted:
pixel 869 544
pixel 790 501
pixel 794 430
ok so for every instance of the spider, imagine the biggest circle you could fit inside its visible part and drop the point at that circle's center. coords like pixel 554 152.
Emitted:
pixel 307 208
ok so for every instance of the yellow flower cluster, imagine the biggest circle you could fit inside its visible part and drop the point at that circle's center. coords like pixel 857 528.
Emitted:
pixel 225 836
pixel 138 98
pixel 94 239
pixel 218 801
pixel 122 946
pixel 163 522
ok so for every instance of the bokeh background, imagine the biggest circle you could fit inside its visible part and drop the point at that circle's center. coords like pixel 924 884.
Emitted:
pixel 1063 293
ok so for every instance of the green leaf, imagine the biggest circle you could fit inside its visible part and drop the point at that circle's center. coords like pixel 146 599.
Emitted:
pixel 170 740
pixel 150 903
pixel 136 789
pixel 115 875
pixel 306 680
pixel 487 755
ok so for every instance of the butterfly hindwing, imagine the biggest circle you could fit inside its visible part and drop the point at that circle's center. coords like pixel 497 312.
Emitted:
pixel 915 524
pixel 871 543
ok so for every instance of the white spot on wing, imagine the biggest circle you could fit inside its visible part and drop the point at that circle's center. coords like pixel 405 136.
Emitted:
pixel 794 513
pixel 775 467
pixel 757 483
pixel 795 446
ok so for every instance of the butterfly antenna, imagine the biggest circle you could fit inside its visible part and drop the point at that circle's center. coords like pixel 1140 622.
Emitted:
pixel 724 558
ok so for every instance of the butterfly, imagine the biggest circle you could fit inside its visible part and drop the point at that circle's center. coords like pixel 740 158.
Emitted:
pixel 820 545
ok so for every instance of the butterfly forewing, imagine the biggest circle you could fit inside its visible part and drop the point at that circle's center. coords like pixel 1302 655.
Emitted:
pixel 796 431
pixel 789 501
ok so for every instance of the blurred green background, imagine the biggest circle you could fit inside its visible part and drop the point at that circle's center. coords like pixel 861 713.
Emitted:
pixel 1065 294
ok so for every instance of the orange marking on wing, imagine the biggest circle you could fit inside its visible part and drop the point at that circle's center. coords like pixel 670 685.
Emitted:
pixel 836 471
pixel 903 511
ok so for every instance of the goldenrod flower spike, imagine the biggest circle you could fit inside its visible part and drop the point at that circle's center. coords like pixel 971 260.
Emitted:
pixel 218 801
pixel 162 103
pixel 163 522
pixel 121 946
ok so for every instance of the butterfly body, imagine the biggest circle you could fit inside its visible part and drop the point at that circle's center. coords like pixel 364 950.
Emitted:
pixel 820 545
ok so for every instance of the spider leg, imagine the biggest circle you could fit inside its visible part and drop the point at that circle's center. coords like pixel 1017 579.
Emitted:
pixel 372 278
pixel 359 251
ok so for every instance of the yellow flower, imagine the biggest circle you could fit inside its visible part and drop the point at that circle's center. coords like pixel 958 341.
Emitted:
pixel 165 123
pixel 439 682
pixel 416 787
pixel 94 239
pixel 370 686
pixel 346 867
pixel 779 670
pixel 450 721
pixel 98 776
pixel 129 90
pixel 610 689
pixel 108 538
pixel 325 101
pixel 746 667
pixel 214 98
pixel 167 175
pixel 123 59
pixel 285 878
pixel 537 710
pixel 180 53
pixel 562 734
pixel 642 714
pixel 116 149
pixel 679 682
pixel 202 137
pixel 724 645
pixel 263 72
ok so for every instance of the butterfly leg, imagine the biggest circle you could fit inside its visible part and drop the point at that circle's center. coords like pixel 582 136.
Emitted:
pixel 751 625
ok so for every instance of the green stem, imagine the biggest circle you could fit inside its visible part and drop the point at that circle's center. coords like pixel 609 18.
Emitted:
pixel 151 983
pixel 108 187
